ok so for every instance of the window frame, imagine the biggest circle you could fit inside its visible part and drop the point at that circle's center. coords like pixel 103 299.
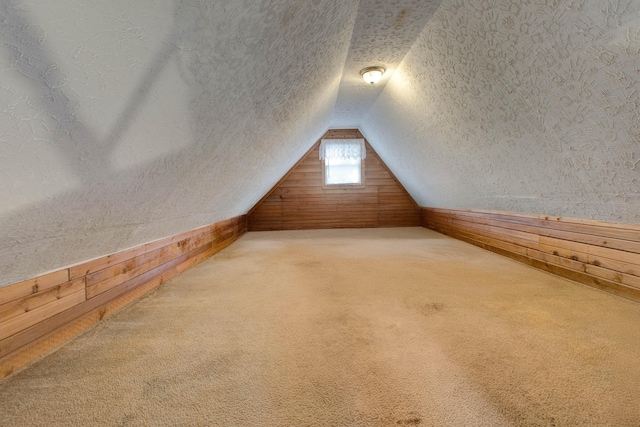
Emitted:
pixel 326 186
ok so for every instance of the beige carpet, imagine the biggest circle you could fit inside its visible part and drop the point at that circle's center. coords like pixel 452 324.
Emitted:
pixel 385 327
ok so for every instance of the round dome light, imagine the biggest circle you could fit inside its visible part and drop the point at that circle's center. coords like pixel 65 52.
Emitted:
pixel 372 75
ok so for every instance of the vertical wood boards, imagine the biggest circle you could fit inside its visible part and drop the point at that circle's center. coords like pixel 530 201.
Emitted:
pixel 602 255
pixel 299 200
pixel 39 314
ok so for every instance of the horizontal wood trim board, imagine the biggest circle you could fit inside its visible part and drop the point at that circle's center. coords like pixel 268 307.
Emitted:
pixel 598 254
pixel 299 201
pixel 33 286
pixel 39 314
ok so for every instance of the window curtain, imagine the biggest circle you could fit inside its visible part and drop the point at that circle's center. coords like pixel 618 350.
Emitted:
pixel 342 149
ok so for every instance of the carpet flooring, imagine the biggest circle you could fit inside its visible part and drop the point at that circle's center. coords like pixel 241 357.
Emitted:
pixel 366 327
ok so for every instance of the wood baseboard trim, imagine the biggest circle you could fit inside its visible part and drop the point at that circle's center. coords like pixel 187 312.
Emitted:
pixel 19 348
pixel 602 255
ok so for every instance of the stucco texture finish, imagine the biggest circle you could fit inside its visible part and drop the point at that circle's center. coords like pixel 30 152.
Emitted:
pixel 383 34
pixel 525 106
pixel 123 122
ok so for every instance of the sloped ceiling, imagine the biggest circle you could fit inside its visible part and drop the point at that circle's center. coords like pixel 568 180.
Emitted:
pixel 125 121
pixel 525 106
pixel 383 34
pixel 122 122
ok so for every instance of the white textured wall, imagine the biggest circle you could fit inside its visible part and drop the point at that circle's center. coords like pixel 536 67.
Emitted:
pixel 526 106
pixel 126 121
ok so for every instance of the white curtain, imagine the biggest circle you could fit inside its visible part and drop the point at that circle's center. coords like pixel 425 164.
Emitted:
pixel 342 149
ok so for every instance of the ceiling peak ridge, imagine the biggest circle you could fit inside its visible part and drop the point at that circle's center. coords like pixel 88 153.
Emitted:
pixel 383 35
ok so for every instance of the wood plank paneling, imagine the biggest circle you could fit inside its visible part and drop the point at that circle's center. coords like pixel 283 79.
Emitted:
pixel 39 314
pixel 605 256
pixel 32 286
pixel 28 304
pixel 298 201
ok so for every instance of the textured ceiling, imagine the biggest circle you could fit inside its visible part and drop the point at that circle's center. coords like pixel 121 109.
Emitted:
pixel 523 106
pixel 383 34
pixel 122 122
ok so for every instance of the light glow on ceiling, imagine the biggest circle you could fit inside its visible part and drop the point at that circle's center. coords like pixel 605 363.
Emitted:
pixel 372 75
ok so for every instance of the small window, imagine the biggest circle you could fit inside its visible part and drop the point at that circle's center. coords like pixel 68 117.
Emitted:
pixel 343 163
pixel 342 171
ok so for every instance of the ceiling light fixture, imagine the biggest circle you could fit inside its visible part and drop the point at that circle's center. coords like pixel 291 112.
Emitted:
pixel 372 75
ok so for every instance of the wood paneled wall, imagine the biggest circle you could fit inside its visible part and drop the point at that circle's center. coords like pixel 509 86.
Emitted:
pixel 603 255
pixel 41 313
pixel 298 201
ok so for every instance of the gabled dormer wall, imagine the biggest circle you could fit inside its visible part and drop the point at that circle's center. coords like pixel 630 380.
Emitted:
pixel 299 200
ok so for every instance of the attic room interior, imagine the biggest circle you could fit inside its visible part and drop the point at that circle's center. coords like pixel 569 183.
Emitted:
pixel 327 213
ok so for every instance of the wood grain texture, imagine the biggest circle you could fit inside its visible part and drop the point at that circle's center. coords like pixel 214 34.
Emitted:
pixel 32 286
pixel 299 201
pixel 38 315
pixel 602 255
